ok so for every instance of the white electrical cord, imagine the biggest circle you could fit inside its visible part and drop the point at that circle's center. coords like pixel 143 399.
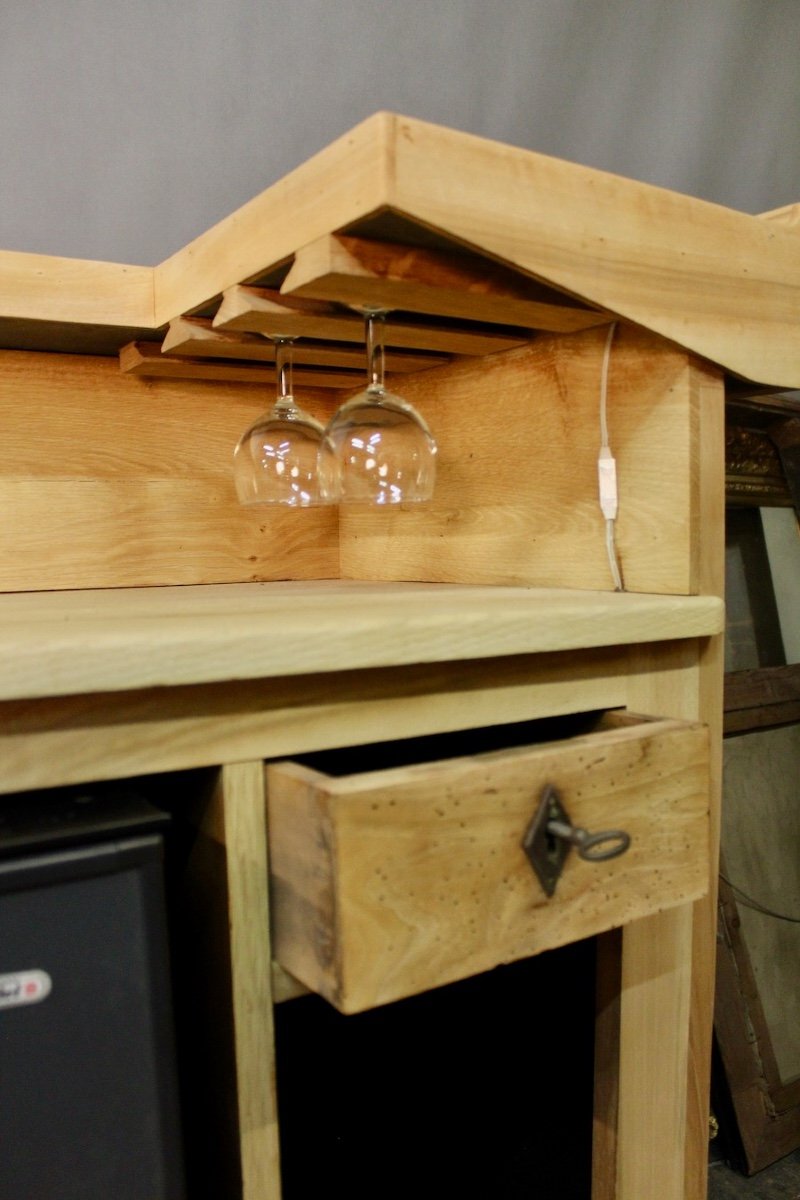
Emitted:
pixel 607 471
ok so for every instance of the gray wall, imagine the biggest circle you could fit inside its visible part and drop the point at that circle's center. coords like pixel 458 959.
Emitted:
pixel 126 128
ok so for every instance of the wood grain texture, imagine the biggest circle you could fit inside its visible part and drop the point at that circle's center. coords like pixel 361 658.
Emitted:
pixel 258 310
pixel 119 639
pixel 392 882
pixel 516 492
pixel 76 739
pixel 108 481
pixel 655 998
pixel 343 182
pixel 408 279
pixel 42 287
pixel 652 256
pixel 684 680
pixel 146 360
pixel 195 337
pixel 242 825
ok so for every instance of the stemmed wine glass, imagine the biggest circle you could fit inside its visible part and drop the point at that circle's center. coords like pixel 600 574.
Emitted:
pixel 275 460
pixel 377 449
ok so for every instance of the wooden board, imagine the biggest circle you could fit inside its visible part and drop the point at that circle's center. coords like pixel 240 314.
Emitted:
pixel 61 740
pixel 259 310
pixel 97 641
pixel 43 287
pixel 146 360
pixel 657 258
pixel 516 492
pixel 109 481
pixel 367 273
pixel 196 338
pixel 391 882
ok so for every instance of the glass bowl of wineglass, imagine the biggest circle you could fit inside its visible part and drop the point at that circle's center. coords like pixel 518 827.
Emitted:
pixel 377 449
pixel 275 460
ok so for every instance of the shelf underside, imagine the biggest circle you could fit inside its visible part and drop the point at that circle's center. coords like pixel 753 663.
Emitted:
pixel 442 303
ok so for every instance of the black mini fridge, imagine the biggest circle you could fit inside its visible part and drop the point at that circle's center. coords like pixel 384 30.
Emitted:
pixel 87 1058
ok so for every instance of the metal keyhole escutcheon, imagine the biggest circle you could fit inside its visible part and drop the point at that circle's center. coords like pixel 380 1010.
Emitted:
pixel 551 834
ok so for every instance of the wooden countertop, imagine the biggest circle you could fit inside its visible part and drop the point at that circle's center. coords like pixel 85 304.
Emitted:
pixel 79 642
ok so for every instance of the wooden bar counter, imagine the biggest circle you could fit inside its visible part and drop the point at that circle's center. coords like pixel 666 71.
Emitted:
pixel 148 623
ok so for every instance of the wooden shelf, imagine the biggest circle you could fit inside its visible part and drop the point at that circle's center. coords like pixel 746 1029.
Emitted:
pixel 66 643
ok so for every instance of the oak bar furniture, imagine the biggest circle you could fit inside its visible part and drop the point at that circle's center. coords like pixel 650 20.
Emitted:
pixel 150 624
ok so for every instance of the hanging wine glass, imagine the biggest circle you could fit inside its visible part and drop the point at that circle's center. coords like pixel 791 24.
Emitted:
pixel 275 460
pixel 377 449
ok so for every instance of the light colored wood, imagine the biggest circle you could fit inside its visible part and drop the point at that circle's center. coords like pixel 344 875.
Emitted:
pixel 145 359
pixel 344 182
pixel 196 337
pixel 43 287
pixel 389 883
pixel 257 310
pixel 657 258
pixel 109 481
pixel 686 683
pixel 120 639
pixel 242 824
pixel 788 215
pixel 516 498
pixel 105 735
pixel 363 273
pixel 656 980
pixel 660 259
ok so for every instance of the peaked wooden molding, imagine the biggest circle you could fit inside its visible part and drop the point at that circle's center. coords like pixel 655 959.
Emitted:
pixel 788 216
pixel 261 310
pixel 410 279
pixel 195 337
pixel 146 359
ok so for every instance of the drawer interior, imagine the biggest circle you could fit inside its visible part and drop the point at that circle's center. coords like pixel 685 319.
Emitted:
pixel 437 747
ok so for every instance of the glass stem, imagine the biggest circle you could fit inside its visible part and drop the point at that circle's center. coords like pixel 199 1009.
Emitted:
pixel 284 399
pixel 375 328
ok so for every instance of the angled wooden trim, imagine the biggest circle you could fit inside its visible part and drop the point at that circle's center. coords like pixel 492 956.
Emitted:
pixel 658 258
pixel 411 279
pixel 788 215
pixel 43 287
pixel 262 310
pixel 195 337
pixel 345 181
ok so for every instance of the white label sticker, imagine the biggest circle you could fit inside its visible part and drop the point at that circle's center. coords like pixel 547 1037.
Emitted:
pixel 24 987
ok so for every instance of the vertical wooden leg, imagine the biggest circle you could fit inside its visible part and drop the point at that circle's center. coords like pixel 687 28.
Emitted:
pixel 606 1066
pixel 654 1056
pixel 241 802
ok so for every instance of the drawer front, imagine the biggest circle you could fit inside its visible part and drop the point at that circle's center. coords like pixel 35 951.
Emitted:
pixel 388 883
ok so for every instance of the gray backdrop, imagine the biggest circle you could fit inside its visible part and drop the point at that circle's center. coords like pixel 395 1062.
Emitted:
pixel 129 126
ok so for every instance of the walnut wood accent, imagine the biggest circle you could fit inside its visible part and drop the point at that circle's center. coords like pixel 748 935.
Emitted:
pixel 354 271
pixel 762 699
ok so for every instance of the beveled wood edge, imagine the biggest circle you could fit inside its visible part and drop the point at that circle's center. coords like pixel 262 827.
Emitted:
pixel 373 168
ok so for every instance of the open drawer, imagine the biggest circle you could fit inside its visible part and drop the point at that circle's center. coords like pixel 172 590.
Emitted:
pixel 389 882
